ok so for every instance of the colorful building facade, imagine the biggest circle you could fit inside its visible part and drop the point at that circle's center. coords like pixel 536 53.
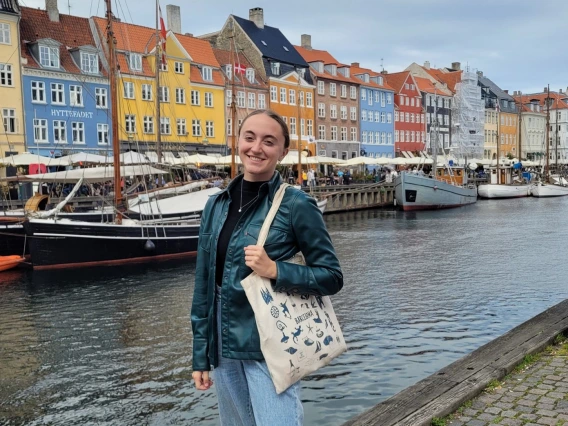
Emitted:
pixel 65 90
pixel 437 103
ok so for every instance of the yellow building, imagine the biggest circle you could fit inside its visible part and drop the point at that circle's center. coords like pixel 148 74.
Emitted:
pixel 11 108
pixel 190 89
pixel 508 134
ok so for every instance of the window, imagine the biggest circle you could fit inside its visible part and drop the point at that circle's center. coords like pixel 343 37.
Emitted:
pixel 207 73
pixel 332 89
pixel 241 99
pixel 402 136
pixel 333 111
pixel 5 75
pixel 9 118
pixel 371 137
pixel 101 97
pixel 75 95
pixel 209 129
pixel 389 117
pixel 310 127
pixel 181 127
pixel 365 138
pixel 353 134
pixel 422 118
pixel 180 95
pixel 229 126
pixel 89 63
pixel 148 124
pixel 195 97
pixel 344 113
pixel 261 101
pixel 309 103
pixel 377 117
pixel 301 97
pixel 135 62
pixel 343 90
pixel 130 123
pixel 59 131
pixel 275 68
pixel 292 97
pixel 384 137
pixel 370 98
pixel 383 99
pixel 49 57
pixel 353 113
pixel 293 125
pixel 446 120
pixel 196 127
pixel 396 116
pixel 78 132
pixel 128 89
pixel 57 94
pixel 229 97
pixel 412 117
pixel 5 34
pixel 446 103
pixel 273 94
pixel 333 133
pixel 229 71
pixel 40 130
pixel 402 117
pixel 412 102
pixel 250 75
pixel 102 133
pixel 407 136
pixel 407 102
pixel 344 133
pixel 302 127
pixel 396 135
pixel 407 117
pixel 252 100
pixel 418 102
pixel 383 117
pixel 209 99
pixel 377 96
pixel 363 115
pixel 164 94
pixel 353 90
pixel 165 127
pixel 321 87
pixel 146 92
pixel 282 95
pixel 38 92
pixel 178 68
pixel 321 132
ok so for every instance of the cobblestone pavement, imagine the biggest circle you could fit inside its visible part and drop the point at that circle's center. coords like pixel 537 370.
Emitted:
pixel 535 395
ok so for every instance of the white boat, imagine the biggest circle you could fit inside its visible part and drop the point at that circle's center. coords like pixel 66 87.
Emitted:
pixel 418 192
pixel 322 204
pixel 494 190
pixel 548 190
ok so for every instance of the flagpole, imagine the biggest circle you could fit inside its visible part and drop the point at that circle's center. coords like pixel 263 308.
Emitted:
pixel 157 77
pixel 233 110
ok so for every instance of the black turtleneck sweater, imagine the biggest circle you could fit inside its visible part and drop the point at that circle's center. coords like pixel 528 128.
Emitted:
pixel 250 192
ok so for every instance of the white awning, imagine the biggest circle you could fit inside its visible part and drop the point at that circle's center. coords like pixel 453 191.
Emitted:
pixel 94 174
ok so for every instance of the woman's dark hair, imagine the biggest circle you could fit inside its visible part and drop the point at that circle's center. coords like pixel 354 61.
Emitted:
pixel 276 117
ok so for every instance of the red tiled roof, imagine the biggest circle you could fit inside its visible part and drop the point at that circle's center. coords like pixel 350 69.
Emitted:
pixel 559 99
pixel 324 56
pixel 358 70
pixel 195 77
pixel 200 50
pixel 70 31
pixel 450 78
pixel 129 37
pixel 125 69
pixel 425 85
pixel 226 57
pixel 396 80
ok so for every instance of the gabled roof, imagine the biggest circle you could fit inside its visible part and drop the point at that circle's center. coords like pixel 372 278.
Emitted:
pixel 325 57
pixel 450 78
pixel 226 57
pixel 200 50
pixel 396 80
pixel 494 88
pixel 271 42
pixel 426 85
pixel 196 77
pixel 355 71
pixel 129 37
pixel 560 99
pixel 70 31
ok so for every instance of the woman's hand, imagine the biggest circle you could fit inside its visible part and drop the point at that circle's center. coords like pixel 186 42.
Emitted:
pixel 202 380
pixel 257 259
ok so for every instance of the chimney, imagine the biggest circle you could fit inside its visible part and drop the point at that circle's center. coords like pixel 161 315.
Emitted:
pixel 174 18
pixel 256 15
pixel 545 89
pixel 355 64
pixel 307 41
pixel 480 73
pixel 456 66
pixel 506 91
pixel 427 65
pixel 52 11
pixel 384 72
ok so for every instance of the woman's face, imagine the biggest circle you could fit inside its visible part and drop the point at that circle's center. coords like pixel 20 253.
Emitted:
pixel 261 146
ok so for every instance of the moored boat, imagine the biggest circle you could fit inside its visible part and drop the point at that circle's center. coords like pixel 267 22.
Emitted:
pixel 10 262
pixel 542 190
pixel 494 190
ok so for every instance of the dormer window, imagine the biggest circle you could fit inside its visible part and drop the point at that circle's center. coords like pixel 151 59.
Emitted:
pixel 334 70
pixel 302 73
pixel 263 42
pixel 207 73
pixel 250 75
pixel 135 62
pixel 275 68
pixel 49 56
pixel 366 78
pixel 285 48
pixel 89 63
pixel 229 71
pixel 380 79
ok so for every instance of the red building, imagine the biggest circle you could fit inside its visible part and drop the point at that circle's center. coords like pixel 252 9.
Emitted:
pixel 409 123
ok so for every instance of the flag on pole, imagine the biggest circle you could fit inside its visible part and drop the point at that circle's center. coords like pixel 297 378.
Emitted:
pixel 240 69
pixel 163 35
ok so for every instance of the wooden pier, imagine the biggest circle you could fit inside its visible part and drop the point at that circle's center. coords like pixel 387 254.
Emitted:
pixel 343 198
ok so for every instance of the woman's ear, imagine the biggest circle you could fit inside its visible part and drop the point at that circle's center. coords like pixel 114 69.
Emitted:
pixel 284 154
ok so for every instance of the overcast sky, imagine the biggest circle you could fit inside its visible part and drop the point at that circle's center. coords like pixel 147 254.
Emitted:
pixel 519 44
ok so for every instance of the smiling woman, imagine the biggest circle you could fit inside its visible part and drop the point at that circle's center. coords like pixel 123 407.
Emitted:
pixel 223 322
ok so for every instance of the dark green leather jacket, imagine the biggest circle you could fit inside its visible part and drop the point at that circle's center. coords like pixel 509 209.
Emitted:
pixel 298 226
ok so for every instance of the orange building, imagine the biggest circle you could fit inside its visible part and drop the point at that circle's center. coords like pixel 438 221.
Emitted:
pixel 508 134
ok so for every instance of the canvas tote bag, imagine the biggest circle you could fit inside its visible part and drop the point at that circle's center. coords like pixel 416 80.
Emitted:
pixel 299 334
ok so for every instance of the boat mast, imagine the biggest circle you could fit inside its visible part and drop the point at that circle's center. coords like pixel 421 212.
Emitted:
pixel 157 79
pixel 233 109
pixel 520 120
pixel 111 40
pixel 546 169
pixel 498 140
pixel 434 142
pixel 556 136
pixel 298 132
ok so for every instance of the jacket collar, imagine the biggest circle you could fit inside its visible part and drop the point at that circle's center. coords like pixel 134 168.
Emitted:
pixel 270 187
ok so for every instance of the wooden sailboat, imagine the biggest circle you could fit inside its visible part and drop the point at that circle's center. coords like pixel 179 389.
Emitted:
pixel 61 243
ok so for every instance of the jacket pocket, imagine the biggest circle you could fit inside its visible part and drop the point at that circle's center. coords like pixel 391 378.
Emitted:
pixel 275 235
pixel 205 242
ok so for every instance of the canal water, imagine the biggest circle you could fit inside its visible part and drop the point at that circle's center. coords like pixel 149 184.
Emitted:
pixel 422 289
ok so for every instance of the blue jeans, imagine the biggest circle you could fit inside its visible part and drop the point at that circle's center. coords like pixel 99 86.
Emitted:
pixel 246 394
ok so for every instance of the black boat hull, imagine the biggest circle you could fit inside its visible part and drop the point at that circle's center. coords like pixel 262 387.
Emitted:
pixel 67 244
pixel 12 240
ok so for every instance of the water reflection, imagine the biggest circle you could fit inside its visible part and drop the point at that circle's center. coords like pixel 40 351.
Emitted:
pixel 113 346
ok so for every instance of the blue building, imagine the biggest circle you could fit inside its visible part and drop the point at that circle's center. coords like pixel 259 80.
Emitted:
pixel 376 100
pixel 66 96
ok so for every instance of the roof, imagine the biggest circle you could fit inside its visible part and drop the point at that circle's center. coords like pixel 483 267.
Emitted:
pixel 271 42
pixel 450 78
pixel 9 6
pixel 200 50
pixel 426 85
pixel 560 99
pixel 359 70
pixel 196 77
pixel 396 80
pixel 484 81
pixel 226 57
pixel 129 37
pixel 70 31
pixel 313 55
